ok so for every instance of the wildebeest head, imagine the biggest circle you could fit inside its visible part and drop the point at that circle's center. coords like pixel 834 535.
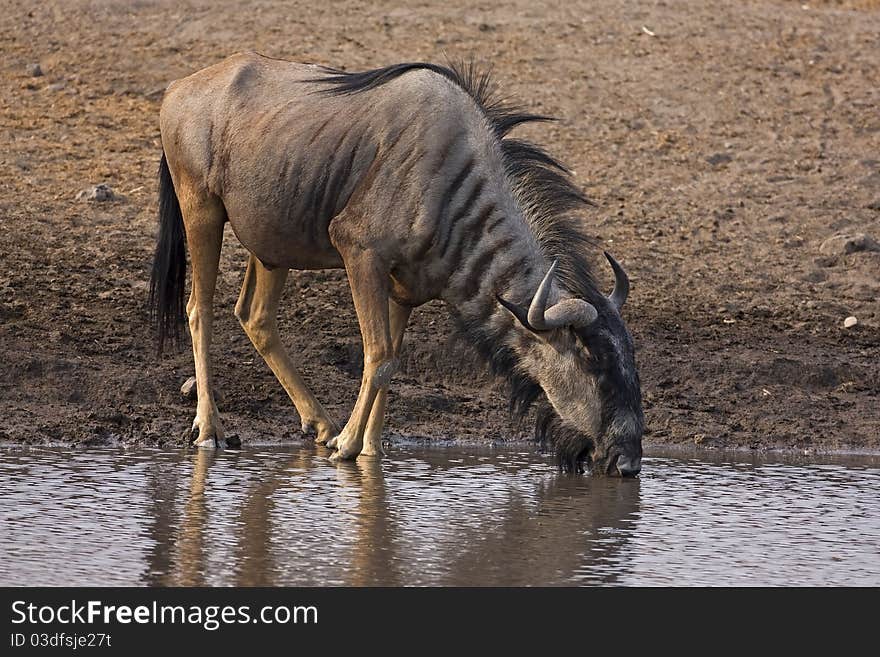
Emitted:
pixel 582 356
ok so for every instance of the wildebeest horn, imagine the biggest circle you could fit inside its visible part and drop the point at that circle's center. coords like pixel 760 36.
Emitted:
pixel 621 283
pixel 568 312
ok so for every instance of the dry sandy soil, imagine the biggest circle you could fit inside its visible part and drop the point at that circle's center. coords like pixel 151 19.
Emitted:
pixel 723 142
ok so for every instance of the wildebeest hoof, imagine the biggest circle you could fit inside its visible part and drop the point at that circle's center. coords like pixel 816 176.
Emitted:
pixel 325 437
pixel 324 429
pixel 347 448
pixel 340 455
pixel 209 441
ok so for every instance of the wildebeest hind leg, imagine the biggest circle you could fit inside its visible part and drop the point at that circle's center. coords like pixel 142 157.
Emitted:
pixel 398 317
pixel 257 310
pixel 203 216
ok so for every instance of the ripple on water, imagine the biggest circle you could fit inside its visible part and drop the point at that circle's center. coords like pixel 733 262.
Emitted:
pixel 462 516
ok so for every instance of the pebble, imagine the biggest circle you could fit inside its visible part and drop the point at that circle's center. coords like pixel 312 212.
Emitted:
pixel 719 158
pixel 188 389
pixel 98 193
pixel 34 70
pixel 846 244
pixel 850 321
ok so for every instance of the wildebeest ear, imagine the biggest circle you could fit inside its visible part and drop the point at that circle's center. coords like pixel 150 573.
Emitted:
pixel 521 314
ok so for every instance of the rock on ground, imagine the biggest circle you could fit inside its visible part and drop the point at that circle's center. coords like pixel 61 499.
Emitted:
pixel 188 389
pixel 846 244
pixel 98 193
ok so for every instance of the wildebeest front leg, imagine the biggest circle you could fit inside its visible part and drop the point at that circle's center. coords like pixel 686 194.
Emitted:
pixel 398 316
pixel 257 310
pixel 369 280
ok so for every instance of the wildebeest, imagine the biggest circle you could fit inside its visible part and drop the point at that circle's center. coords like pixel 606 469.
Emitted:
pixel 404 176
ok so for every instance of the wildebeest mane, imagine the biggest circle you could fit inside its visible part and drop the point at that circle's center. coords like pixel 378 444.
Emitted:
pixel 542 186
pixel 547 196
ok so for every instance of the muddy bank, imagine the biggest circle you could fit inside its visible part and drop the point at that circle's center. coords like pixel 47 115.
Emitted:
pixel 722 144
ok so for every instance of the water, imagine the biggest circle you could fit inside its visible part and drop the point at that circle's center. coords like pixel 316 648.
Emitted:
pixel 456 516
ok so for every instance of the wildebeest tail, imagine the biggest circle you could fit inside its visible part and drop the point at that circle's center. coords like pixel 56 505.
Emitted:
pixel 168 278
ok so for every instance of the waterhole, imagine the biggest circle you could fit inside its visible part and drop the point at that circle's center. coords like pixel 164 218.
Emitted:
pixel 432 516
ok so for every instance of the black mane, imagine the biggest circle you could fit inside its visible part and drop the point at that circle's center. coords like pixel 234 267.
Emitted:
pixel 544 189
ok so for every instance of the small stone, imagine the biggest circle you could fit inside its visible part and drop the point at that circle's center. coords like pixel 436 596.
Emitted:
pixel 98 193
pixel 719 158
pixel 34 70
pixel 55 87
pixel 850 321
pixel 846 244
pixel 188 389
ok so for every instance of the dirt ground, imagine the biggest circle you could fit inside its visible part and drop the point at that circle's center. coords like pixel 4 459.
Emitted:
pixel 723 143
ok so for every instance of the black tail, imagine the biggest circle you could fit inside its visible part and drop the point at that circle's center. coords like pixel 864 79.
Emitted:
pixel 168 279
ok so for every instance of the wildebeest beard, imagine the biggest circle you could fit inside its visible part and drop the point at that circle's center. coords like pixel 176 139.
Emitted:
pixel 572 448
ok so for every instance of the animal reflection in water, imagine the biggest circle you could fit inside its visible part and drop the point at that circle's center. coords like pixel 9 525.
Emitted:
pixel 385 525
